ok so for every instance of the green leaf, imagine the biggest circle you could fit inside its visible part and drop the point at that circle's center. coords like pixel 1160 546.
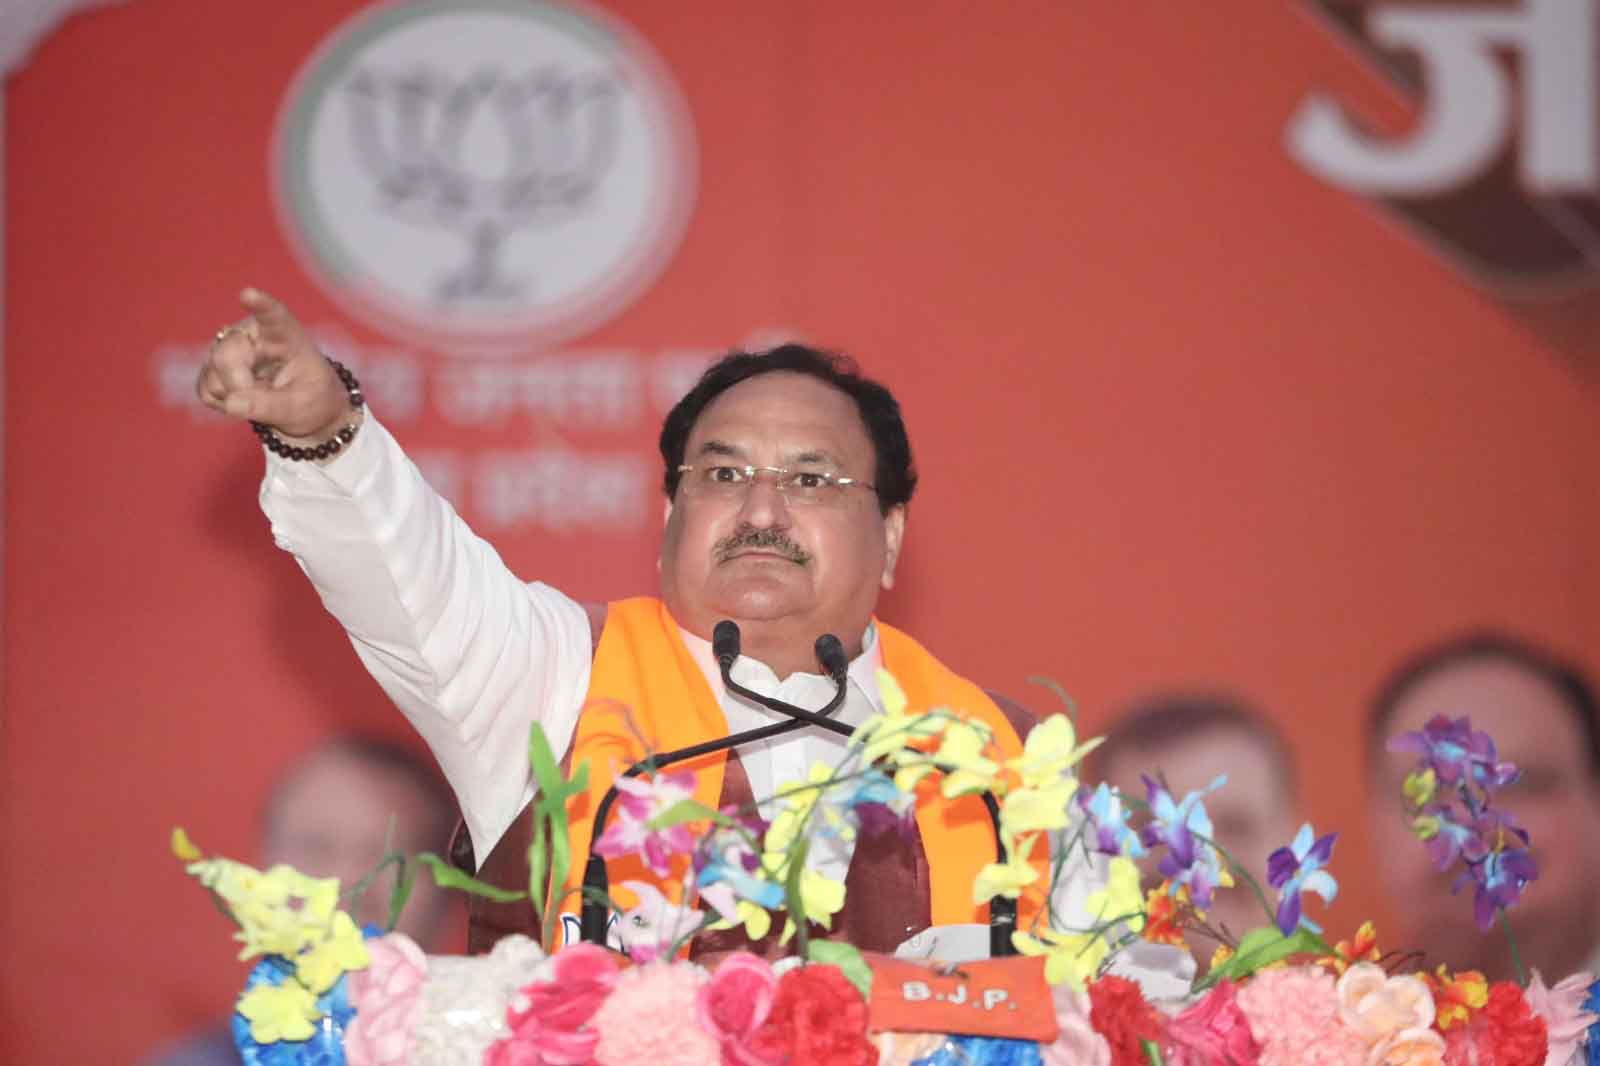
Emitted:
pixel 685 811
pixel 546 771
pixel 847 958
pixel 548 869
pixel 447 876
pixel 560 855
pixel 1152 1053
pixel 791 895
pixel 1263 947
pixel 405 880
pixel 1070 704
pixel 538 868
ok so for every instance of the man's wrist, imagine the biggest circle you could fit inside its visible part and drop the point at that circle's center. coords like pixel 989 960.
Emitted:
pixel 331 440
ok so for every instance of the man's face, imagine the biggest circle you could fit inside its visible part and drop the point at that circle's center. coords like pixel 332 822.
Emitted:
pixel 1252 815
pixel 1557 801
pixel 783 570
pixel 332 821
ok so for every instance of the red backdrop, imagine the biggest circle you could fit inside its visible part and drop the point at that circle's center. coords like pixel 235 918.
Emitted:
pixel 1185 413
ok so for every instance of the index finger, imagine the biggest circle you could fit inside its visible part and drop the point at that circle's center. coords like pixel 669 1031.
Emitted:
pixel 277 325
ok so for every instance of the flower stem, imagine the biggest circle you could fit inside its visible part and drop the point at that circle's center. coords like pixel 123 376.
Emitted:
pixel 1516 956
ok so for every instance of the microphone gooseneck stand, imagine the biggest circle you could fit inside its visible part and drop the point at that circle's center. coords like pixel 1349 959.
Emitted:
pixel 595 913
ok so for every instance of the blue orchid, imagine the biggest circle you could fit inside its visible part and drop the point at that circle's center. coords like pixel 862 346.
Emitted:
pixel 1298 869
pixel 725 857
pixel 876 805
pixel 1108 818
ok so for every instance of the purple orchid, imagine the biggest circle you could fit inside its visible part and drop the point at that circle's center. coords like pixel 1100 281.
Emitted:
pixel 631 831
pixel 1184 828
pixel 1499 880
pixel 1298 869
pixel 1469 837
pixel 1459 824
pixel 1456 752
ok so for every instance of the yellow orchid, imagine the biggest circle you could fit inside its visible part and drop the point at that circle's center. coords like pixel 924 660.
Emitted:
pixel 1027 810
pixel 279 1012
pixel 894 732
pixel 1050 752
pixel 789 824
pixel 184 848
pixel 1007 878
pixel 820 898
pixel 282 911
pixel 1121 899
pixel 1070 958
pixel 756 920
pixel 1419 787
pixel 894 697
pixel 319 966
pixel 230 880
pixel 961 756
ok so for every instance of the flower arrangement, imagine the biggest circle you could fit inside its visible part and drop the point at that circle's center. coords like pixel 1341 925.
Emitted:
pixel 1279 995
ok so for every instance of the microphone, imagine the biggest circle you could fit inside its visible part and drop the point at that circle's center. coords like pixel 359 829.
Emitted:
pixel 725 643
pixel 830 653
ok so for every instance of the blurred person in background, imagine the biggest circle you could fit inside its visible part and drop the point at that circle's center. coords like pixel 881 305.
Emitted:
pixel 1188 740
pixel 329 815
pixel 1540 712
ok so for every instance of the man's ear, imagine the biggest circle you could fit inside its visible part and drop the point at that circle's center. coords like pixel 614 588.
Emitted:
pixel 894 531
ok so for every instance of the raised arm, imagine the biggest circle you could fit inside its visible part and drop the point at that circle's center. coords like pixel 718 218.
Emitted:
pixel 469 652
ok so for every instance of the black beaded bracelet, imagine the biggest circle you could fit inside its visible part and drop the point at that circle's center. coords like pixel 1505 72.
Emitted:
pixel 333 445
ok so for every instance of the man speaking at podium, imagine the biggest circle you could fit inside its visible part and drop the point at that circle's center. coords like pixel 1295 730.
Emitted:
pixel 787 479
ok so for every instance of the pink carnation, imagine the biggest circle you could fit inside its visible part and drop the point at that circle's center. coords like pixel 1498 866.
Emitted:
pixel 549 1018
pixel 387 997
pixel 1561 1008
pixel 733 1004
pixel 1078 1044
pixel 1213 1032
pixel 650 1018
pixel 1294 1014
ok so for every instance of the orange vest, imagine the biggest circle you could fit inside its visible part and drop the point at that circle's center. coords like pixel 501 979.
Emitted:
pixel 646 684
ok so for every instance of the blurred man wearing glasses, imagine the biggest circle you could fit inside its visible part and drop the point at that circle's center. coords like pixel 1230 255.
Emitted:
pixel 787 478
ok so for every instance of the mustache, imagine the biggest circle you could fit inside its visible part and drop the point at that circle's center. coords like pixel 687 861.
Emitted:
pixel 769 539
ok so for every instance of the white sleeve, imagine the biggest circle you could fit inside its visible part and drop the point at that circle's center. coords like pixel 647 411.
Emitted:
pixel 471 654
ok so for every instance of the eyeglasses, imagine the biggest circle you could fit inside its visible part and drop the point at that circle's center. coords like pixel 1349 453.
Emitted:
pixel 797 486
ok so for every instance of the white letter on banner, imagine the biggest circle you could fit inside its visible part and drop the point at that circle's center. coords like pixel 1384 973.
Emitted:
pixel 1466 113
pixel 473 395
pixel 1559 150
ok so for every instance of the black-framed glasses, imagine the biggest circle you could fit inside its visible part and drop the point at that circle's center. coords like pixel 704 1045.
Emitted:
pixel 725 482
